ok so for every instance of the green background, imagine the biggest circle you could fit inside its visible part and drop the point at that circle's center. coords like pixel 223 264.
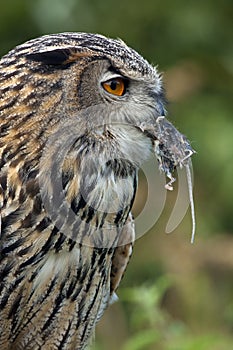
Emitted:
pixel 175 295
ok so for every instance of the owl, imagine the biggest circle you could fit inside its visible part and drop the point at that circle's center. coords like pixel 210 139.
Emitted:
pixel 79 113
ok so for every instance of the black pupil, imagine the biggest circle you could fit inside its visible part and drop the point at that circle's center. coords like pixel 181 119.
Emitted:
pixel 113 84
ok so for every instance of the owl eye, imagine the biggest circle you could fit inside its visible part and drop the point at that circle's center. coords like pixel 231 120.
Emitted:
pixel 115 86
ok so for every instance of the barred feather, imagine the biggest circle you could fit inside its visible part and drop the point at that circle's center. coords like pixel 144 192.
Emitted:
pixel 66 228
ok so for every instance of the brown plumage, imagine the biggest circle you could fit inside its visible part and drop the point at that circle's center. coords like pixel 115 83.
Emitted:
pixel 71 142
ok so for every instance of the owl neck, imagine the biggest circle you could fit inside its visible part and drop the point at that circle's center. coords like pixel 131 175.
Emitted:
pixel 88 190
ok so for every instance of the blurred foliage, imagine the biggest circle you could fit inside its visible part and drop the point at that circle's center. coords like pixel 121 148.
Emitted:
pixel 153 328
pixel 191 306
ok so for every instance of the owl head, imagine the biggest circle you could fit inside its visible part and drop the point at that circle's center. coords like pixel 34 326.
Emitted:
pixel 64 73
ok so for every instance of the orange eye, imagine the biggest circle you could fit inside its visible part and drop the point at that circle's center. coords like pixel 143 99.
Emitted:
pixel 115 86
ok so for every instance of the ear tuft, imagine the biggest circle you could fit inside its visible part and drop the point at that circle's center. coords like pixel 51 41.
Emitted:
pixel 56 56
